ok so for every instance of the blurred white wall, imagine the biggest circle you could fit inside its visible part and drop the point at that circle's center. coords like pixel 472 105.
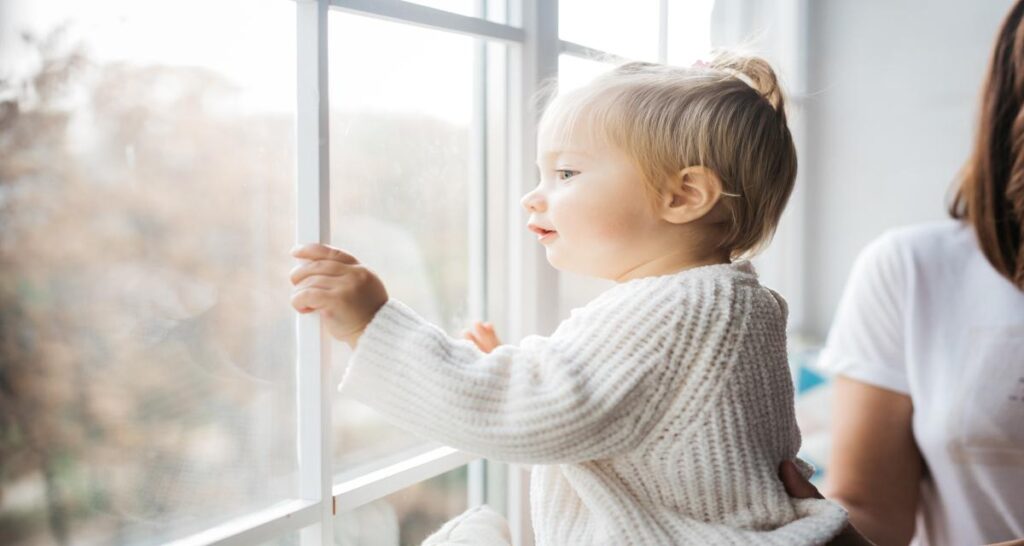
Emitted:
pixel 893 89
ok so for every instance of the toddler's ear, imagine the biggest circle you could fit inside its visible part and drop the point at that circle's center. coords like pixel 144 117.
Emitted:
pixel 691 194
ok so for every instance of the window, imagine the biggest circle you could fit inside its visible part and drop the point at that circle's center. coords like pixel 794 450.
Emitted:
pixel 155 385
pixel 148 362
pixel 401 136
pixel 590 23
pixel 407 516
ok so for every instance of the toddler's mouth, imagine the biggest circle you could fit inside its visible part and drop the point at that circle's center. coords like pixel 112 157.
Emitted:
pixel 539 230
pixel 543 235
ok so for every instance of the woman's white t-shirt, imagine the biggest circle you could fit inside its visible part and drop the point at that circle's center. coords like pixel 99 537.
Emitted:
pixel 926 315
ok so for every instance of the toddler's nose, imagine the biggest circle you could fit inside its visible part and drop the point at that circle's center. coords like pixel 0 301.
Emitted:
pixel 533 201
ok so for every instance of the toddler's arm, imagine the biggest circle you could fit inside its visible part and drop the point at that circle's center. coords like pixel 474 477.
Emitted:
pixel 595 388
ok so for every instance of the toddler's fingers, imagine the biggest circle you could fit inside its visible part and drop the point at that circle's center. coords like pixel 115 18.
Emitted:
pixel 319 251
pixel 487 333
pixel 325 282
pixel 482 326
pixel 318 267
pixel 310 299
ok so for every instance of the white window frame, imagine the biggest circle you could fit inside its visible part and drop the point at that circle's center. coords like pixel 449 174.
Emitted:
pixel 530 299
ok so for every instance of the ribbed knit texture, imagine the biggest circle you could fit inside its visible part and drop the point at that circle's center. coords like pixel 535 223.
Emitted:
pixel 657 414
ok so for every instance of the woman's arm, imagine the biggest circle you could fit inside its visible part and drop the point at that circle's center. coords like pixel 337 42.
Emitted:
pixel 875 468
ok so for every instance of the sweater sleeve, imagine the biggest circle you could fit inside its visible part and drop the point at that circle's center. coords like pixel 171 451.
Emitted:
pixel 593 389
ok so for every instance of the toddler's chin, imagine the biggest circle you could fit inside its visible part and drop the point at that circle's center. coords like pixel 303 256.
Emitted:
pixel 555 260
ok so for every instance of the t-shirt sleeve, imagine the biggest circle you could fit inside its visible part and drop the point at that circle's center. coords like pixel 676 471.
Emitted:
pixel 593 389
pixel 867 338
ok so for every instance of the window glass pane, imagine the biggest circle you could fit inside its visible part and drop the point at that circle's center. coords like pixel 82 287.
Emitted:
pixel 628 29
pixel 689 31
pixel 290 539
pixel 401 163
pixel 146 211
pixel 575 72
pixel 407 517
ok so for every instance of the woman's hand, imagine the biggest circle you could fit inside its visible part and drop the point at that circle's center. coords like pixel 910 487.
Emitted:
pixel 799 488
pixel 482 334
pixel 333 282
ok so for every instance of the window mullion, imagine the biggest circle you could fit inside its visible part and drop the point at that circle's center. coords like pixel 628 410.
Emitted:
pixel 313 225
pixel 257 527
pixel 663 31
pixel 478 232
pixel 589 53
pixel 377 484
pixel 788 253
pixel 533 284
pixel 425 16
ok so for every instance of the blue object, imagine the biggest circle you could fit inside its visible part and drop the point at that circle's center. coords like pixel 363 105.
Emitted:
pixel 807 379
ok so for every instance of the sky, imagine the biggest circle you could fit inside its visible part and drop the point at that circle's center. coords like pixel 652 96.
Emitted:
pixel 250 42
pixel 373 64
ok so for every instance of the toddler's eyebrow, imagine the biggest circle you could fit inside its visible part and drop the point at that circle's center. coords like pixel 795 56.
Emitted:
pixel 555 153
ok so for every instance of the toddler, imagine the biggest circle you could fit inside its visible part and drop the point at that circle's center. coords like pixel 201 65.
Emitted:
pixel 660 412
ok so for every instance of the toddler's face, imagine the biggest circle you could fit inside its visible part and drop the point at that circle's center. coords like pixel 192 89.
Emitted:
pixel 591 196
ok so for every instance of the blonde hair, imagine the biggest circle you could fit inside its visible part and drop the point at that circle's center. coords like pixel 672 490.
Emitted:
pixel 727 115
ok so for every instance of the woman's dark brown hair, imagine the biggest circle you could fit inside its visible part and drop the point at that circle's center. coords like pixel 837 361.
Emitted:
pixel 990 195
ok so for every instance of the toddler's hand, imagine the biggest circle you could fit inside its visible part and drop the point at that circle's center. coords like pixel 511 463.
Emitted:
pixel 482 334
pixel 799 487
pixel 333 282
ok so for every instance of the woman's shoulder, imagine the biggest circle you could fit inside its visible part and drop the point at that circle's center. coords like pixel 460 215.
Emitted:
pixel 931 240
pixel 914 250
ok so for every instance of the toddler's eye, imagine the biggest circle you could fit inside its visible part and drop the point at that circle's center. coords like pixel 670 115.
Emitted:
pixel 565 174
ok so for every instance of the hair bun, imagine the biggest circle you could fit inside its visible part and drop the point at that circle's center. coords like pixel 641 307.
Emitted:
pixel 752 70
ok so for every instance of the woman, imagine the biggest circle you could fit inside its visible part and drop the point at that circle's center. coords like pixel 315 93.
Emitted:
pixel 928 345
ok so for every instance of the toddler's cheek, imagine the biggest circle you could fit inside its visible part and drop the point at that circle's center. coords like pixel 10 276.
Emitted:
pixel 613 230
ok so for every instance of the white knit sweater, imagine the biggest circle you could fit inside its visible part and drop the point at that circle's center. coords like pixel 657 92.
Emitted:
pixel 657 414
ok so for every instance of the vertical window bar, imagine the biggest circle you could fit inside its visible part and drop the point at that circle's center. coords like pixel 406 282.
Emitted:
pixel 313 225
pixel 793 59
pixel 478 220
pixel 533 284
pixel 477 479
pixel 663 31
pixel 533 290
